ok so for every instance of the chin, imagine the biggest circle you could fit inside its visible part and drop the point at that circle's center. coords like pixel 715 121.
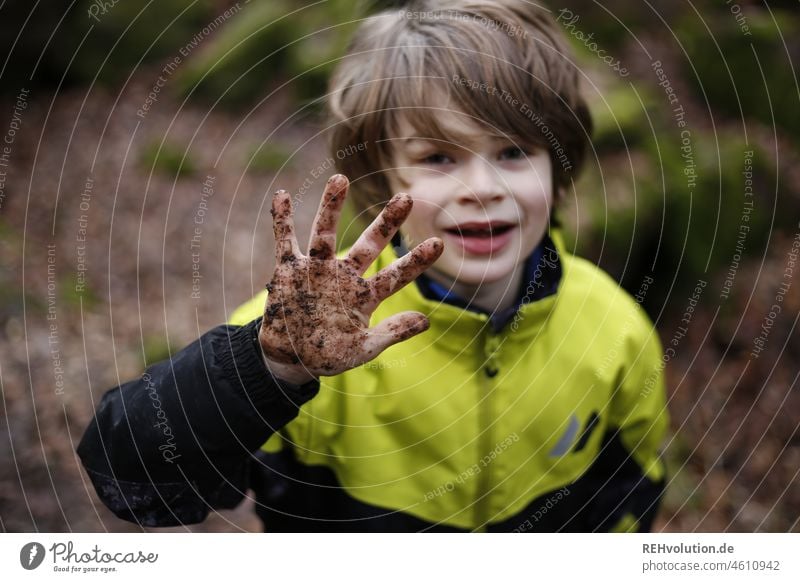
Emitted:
pixel 474 275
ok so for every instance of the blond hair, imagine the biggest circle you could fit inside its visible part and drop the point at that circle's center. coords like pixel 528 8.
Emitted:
pixel 502 62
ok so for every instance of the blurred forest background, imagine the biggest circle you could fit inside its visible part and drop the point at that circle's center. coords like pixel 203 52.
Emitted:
pixel 694 185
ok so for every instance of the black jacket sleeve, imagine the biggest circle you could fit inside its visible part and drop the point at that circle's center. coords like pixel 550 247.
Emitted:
pixel 167 448
pixel 618 489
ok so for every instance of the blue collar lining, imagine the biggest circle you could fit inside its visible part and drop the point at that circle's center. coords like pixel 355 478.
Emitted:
pixel 542 276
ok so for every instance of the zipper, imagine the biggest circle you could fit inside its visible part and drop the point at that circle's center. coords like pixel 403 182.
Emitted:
pixel 489 346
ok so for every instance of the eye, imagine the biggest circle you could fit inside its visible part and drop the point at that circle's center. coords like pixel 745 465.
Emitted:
pixel 437 159
pixel 513 153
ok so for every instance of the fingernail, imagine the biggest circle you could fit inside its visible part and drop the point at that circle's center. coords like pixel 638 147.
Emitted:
pixel 403 198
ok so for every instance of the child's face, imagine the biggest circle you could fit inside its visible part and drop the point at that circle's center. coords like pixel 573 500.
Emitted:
pixel 489 201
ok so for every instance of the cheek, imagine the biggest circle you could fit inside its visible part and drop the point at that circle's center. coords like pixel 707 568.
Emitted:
pixel 537 201
pixel 542 204
pixel 537 185
pixel 416 227
pixel 424 215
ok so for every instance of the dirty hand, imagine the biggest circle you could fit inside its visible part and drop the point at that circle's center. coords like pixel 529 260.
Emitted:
pixel 316 321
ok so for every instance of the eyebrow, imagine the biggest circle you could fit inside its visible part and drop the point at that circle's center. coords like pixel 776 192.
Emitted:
pixel 421 141
pixel 462 140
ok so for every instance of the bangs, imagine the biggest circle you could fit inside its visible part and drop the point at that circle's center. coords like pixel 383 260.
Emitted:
pixel 467 71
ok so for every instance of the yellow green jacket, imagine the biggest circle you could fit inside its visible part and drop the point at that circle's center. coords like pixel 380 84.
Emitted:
pixel 552 423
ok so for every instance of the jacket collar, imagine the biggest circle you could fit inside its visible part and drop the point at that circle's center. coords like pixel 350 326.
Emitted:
pixel 542 277
pixel 546 271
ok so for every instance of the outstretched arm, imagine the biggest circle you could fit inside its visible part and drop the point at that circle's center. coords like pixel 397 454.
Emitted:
pixel 176 443
pixel 170 446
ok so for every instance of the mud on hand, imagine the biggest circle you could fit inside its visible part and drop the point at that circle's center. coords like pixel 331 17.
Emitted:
pixel 318 310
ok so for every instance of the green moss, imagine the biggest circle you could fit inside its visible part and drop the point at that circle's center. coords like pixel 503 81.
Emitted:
pixel 75 295
pixel 742 75
pixel 241 60
pixel 127 35
pixel 267 44
pixel 619 118
pixel 167 159
pixel 688 226
pixel 156 349
pixel 268 158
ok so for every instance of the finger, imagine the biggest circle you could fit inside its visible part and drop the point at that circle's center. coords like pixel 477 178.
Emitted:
pixel 286 247
pixel 323 232
pixel 405 269
pixel 394 329
pixel 372 241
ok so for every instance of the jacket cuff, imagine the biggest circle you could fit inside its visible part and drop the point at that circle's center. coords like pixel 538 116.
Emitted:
pixel 253 380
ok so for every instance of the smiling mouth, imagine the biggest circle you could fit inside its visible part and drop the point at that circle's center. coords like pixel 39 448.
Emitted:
pixel 480 230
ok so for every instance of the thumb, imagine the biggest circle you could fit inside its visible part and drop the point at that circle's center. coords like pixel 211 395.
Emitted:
pixel 393 330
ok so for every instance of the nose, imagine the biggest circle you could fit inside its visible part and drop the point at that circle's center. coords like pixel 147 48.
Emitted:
pixel 483 184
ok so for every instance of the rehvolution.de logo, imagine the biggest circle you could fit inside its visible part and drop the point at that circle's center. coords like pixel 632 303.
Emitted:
pixel 31 555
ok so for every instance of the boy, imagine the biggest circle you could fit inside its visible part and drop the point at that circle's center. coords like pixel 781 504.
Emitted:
pixel 533 402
